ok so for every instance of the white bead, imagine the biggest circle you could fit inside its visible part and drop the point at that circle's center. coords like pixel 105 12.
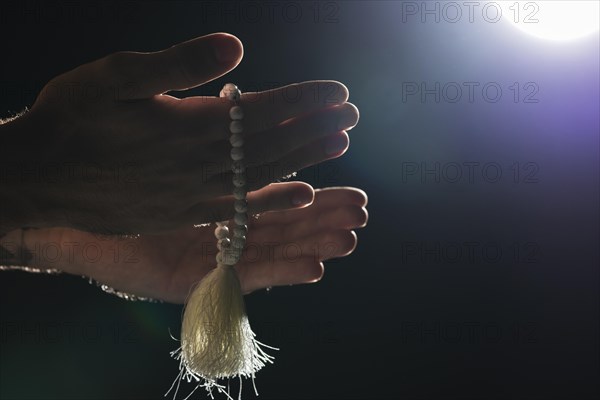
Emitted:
pixel 234 96
pixel 230 91
pixel 237 153
pixel 221 232
pixel 239 193
pixel 236 113
pixel 231 249
pixel 239 180
pixel 240 218
pixel 240 231
pixel 236 127
pixel 238 242
pixel 236 140
pixel 223 243
pixel 238 167
pixel 240 206
pixel 229 87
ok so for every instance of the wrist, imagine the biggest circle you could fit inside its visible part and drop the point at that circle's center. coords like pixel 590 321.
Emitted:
pixel 20 249
pixel 12 251
pixel 17 203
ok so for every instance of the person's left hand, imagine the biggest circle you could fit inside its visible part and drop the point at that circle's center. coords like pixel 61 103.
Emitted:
pixel 105 149
pixel 283 248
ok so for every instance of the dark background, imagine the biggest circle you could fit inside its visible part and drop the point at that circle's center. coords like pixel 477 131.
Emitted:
pixel 462 286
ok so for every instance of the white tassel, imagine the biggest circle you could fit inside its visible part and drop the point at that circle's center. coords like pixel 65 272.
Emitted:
pixel 216 339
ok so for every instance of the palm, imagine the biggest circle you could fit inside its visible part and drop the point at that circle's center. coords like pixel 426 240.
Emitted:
pixel 283 247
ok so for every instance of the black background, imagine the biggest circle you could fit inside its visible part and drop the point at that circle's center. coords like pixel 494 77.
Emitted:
pixel 404 316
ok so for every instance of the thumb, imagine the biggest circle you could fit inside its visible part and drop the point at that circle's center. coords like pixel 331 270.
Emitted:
pixel 183 66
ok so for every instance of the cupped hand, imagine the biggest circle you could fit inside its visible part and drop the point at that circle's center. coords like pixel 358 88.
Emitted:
pixel 283 248
pixel 118 155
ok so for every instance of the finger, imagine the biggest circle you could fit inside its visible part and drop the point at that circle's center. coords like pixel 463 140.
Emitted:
pixel 263 275
pixel 183 66
pixel 258 176
pixel 345 217
pixel 262 110
pixel 276 196
pixel 323 149
pixel 322 245
pixel 281 267
pixel 294 134
pixel 332 197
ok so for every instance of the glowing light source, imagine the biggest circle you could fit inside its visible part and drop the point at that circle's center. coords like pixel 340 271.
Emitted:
pixel 555 20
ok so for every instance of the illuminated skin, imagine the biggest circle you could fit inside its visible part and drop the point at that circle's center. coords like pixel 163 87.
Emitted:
pixel 124 117
pixel 283 248
pixel 175 152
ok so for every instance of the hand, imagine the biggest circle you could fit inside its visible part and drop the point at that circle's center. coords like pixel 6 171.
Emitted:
pixel 117 155
pixel 283 248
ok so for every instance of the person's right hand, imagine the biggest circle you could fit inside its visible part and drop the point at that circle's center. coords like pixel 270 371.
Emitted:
pixel 117 155
pixel 282 248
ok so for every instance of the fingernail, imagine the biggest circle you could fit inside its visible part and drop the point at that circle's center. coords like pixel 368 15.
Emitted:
pixel 301 198
pixel 348 119
pixel 226 51
pixel 335 144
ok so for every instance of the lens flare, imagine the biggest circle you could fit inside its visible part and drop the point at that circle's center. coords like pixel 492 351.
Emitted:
pixel 554 20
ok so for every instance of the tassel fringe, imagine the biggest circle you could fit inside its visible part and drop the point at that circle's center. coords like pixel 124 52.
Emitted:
pixel 216 339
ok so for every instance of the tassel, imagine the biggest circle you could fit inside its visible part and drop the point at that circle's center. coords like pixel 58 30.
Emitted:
pixel 216 339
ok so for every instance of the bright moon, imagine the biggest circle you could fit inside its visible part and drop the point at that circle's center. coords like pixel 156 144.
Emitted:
pixel 555 20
